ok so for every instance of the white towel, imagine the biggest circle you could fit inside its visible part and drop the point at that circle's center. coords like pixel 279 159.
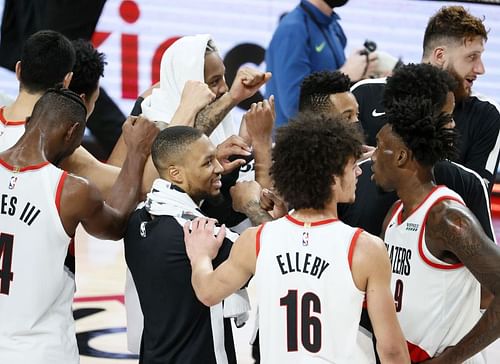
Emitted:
pixel 184 60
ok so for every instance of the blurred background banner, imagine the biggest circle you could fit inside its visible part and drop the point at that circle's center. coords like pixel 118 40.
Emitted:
pixel 134 34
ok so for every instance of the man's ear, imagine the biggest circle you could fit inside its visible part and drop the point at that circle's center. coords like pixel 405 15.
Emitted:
pixel 67 79
pixel 18 70
pixel 403 157
pixel 439 56
pixel 71 132
pixel 175 174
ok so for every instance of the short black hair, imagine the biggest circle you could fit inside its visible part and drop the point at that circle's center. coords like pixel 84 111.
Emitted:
pixel 308 152
pixel 46 58
pixel 89 67
pixel 423 131
pixel 172 143
pixel 419 80
pixel 56 106
pixel 316 89
pixel 452 24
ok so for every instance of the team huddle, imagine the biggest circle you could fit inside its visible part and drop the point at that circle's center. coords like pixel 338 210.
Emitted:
pixel 363 220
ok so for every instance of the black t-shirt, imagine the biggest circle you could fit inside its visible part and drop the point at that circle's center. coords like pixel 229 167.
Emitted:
pixel 371 204
pixel 477 122
pixel 177 327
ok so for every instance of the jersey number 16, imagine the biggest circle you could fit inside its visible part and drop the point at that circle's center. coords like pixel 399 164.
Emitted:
pixel 310 325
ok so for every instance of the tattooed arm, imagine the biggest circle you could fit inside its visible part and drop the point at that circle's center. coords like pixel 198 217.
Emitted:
pixel 246 199
pixel 246 83
pixel 454 235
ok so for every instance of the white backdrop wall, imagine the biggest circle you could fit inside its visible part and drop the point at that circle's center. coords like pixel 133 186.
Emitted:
pixel 395 25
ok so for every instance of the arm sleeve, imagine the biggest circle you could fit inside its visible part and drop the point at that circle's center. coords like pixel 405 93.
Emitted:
pixel 292 46
pixel 484 152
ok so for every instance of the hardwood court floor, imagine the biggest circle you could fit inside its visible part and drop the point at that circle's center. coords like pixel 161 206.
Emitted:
pixel 100 313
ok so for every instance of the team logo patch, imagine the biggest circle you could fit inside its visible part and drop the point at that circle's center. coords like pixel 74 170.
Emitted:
pixel 12 182
pixel 411 226
pixel 305 238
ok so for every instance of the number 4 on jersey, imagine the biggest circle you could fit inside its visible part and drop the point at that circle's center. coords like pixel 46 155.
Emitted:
pixel 6 276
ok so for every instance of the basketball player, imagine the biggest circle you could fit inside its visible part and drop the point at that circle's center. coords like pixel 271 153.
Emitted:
pixel 40 209
pixel 178 328
pixel 439 253
pixel 311 270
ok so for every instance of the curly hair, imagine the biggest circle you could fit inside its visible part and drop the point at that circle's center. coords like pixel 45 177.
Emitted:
pixel 423 131
pixel 419 80
pixel 316 89
pixel 308 152
pixel 452 24
pixel 89 67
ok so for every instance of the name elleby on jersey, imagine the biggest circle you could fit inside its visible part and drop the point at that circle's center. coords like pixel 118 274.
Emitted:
pixel 400 259
pixel 289 263
pixel 8 206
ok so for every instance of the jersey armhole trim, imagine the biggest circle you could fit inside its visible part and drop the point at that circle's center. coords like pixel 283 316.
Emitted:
pixel 421 238
pixel 59 189
pixel 417 354
pixel 257 240
pixel 352 246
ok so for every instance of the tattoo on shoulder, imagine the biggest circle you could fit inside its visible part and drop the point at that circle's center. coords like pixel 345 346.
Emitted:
pixel 451 227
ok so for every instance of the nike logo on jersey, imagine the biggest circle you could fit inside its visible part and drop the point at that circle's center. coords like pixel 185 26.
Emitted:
pixel 319 48
pixel 376 114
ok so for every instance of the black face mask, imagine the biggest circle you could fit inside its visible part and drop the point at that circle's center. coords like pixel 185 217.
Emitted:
pixel 335 3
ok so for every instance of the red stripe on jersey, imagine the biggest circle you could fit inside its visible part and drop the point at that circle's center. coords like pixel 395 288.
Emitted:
pixel 59 191
pixel 417 354
pixel 421 238
pixel 119 298
pixel 23 169
pixel 395 209
pixel 10 122
pixel 257 240
pixel 400 216
pixel 352 246
pixel 315 223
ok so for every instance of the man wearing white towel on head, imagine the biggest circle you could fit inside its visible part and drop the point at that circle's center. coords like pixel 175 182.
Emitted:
pixel 192 76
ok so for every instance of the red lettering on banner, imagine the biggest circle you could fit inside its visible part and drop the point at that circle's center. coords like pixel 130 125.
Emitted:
pixel 130 72
pixel 98 38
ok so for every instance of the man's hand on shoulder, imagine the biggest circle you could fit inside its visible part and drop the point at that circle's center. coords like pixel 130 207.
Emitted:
pixel 200 239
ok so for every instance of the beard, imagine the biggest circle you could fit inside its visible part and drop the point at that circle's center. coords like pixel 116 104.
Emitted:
pixel 460 92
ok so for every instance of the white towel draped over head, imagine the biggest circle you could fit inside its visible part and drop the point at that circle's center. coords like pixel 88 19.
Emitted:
pixel 184 60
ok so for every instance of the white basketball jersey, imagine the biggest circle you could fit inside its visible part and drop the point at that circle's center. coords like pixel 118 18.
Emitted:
pixel 36 321
pixel 10 132
pixel 309 306
pixel 437 303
